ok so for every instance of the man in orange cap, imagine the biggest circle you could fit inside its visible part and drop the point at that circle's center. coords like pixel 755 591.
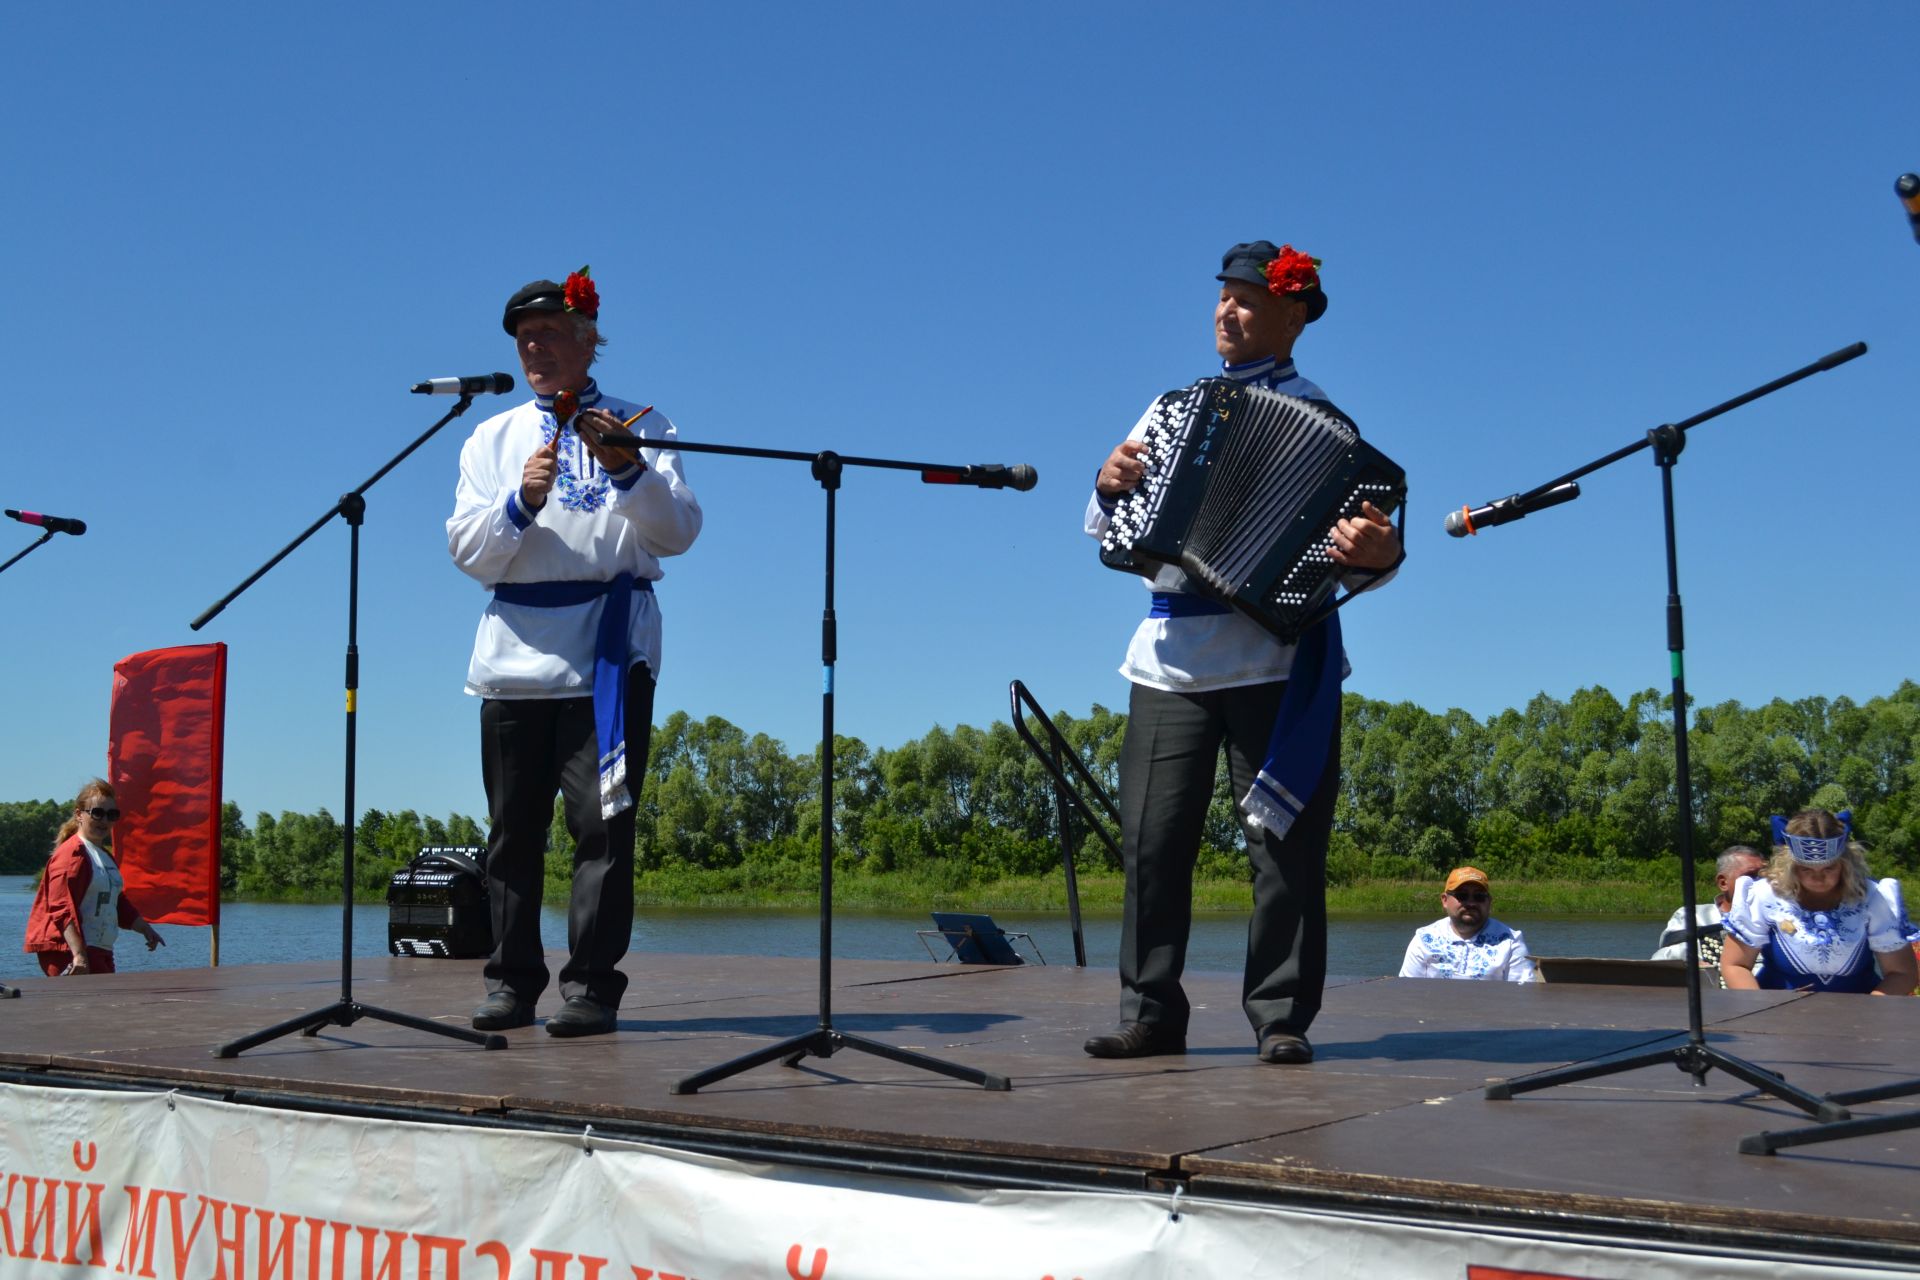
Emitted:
pixel 1468 942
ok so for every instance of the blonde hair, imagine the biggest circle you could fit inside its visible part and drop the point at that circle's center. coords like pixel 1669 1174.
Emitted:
pixel 96 790
pixel 1783 870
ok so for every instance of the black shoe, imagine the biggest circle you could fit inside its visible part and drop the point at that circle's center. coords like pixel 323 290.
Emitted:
pixel 581 1017
pixel 1284 1047
pixel 1136 1040
pixel 502 1011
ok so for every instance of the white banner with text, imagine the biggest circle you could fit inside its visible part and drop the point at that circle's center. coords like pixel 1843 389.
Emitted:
pixel 167 1187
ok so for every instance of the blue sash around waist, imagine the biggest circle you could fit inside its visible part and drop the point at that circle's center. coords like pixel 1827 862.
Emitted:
pixel 1179 604
pixel 558 595
pixel 1302 731
pixel 609 666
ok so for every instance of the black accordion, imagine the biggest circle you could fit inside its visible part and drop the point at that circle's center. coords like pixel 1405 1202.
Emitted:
pixel 437 904
pixel 1241 490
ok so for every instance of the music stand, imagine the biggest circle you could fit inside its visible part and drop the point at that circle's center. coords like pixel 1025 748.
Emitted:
pixel 346 1011
pixel 1696 1057
pixel 825 1039
pixel 973 938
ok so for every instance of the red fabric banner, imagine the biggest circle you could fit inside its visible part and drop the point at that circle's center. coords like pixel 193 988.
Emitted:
pixel 164 747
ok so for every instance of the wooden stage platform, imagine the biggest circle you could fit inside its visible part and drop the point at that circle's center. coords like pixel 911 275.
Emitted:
pixel 1389 1120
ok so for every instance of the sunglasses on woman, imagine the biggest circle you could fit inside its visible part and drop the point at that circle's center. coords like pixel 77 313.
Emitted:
pixel 105 815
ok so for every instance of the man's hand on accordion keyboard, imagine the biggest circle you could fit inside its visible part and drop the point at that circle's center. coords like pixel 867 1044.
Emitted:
pixel 1122 471
pixel 1366 541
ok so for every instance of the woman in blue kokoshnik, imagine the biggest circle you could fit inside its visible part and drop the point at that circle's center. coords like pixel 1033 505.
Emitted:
pixel 1818 917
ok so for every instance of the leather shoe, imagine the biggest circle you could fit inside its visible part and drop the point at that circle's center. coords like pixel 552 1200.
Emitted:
pixel 581 1017
pixel 1136 1040
pixel 1284 1047
pixel 502 1011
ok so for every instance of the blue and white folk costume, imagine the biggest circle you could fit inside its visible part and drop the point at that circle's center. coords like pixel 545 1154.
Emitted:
pixel 1818 950
pixel 1201 672
pixel 1498 953
pixel 564 660
pixel 554 571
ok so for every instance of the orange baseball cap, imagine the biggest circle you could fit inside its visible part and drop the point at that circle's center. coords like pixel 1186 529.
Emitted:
pixel 1467 875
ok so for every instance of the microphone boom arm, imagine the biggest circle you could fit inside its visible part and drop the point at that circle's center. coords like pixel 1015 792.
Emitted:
pixel 46 536
pixel 635 443
pixel 1821 365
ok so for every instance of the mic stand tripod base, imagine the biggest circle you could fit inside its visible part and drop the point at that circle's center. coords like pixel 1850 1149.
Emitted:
pixel 344 1013
pixel 1696 1060
pixel 824 1042
pixel 1765 1144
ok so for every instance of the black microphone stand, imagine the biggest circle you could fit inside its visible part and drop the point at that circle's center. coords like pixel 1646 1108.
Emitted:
pixel 824 1040
pixel 346 1011
pixel 45 537
pixel 1696 1057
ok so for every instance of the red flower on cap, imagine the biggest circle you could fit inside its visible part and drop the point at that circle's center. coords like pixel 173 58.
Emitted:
pixel 1292 272
pixel 580 295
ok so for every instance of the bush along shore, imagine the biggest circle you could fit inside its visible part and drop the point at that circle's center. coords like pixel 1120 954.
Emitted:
pixel 1567 804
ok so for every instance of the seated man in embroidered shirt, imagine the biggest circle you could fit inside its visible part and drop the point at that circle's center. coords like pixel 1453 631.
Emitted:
pixel 1468 942
pixel 1738 863
pixel 567 532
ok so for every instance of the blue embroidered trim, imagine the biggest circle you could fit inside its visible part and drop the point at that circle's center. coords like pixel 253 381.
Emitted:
pixel 626 479
pixel 1267 367
pixel 577 493
pixel 517 513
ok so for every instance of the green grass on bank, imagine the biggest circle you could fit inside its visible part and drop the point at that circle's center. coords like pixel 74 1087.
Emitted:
pixel 1106 892
pixel 1653 897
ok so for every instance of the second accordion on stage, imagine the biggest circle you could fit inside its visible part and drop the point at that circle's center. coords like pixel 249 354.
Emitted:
pixel 1242 488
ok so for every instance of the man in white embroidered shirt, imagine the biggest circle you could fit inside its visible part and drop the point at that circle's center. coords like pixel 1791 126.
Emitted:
pixel 567 532
pixel 1468 942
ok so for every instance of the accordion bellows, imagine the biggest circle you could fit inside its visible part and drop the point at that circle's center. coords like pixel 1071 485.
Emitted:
pixel 1242 488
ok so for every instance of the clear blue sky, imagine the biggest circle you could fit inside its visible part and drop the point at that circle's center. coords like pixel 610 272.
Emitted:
pixel 980 233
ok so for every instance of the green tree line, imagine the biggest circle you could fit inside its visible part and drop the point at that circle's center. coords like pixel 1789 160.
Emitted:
pixel 1580 788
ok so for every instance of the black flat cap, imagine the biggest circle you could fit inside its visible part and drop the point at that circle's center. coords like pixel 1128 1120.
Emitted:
pixel 1248 262
pixel 541 295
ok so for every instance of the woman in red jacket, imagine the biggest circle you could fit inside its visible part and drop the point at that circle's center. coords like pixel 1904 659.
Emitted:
pixel 81 907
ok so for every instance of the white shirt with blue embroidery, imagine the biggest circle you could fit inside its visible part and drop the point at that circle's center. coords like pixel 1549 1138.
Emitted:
pixel 592 527
pixel 1822 950
pixel 1211 651
pixel 1495 954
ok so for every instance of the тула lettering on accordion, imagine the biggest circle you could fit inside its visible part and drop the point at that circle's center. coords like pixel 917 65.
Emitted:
pixel 1241 490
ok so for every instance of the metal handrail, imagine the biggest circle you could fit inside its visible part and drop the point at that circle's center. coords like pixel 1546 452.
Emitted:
pixel 1055 757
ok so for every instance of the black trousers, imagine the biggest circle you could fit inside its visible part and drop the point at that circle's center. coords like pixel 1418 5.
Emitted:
pixel 531 748
pixel 1167 765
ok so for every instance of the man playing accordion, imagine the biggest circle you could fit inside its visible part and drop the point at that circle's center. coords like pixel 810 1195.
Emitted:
pixel 1202 675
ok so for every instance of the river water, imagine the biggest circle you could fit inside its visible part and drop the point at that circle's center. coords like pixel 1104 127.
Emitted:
pixel 278 933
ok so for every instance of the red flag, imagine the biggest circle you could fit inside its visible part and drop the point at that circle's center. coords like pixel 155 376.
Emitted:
pixel 163 757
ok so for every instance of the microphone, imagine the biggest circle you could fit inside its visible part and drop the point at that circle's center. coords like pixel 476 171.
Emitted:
pixel 989 476
pixel 52 524
pixel 1464 521
pixel 482 384
pixel 1907 187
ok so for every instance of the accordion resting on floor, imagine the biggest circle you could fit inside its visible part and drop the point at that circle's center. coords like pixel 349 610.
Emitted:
pixel 437 904
pixel 1241 489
